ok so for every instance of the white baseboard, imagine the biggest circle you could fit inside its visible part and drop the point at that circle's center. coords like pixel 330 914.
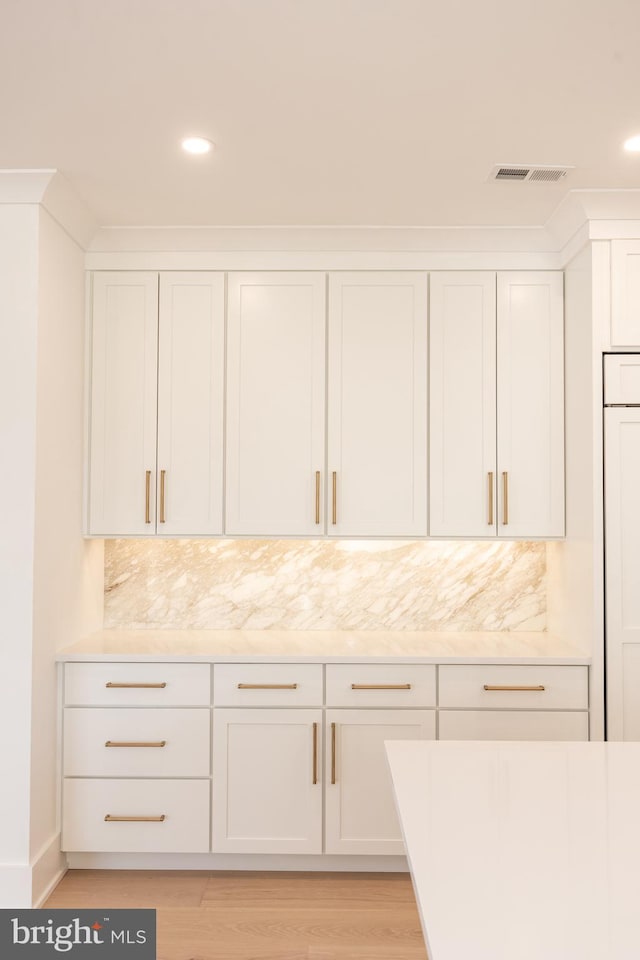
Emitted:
pixel 47 869
pixel 235 861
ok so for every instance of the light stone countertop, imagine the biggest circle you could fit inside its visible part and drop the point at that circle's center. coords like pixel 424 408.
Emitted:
pixel 522 850
pixel 322 646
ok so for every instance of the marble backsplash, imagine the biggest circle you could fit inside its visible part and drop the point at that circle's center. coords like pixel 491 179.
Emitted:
pixel 325 585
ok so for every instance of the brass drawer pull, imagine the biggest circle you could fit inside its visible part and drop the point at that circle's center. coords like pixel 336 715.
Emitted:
pixel 135 743
pixel 333 753
pixel 267 686
pixel 147 496
pixel 490 520
pixel 135 686
pixel 317 496
pixel 163 474
pixel 505 499
pixel 314 778
pixel 381 686
pixel 160 819
pixel 533 689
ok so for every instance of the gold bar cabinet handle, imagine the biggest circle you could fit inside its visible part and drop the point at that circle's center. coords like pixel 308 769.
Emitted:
pixel 267 686
pixel 135 686
pixel 490 520
pixel 381 686
pixel 314 778
pixel 160 819
pixel 135 743
pixel 334 485
pixel 317 496
pixel 333 753
pixel 505 498
pixel 147 497
pixel 163 474
pixel 534 689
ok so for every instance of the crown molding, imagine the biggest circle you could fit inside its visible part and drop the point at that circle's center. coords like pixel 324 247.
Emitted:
pixel 52 191
pixel 62 202
pixel 24 186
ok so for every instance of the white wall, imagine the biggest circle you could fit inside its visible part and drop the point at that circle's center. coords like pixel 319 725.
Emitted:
pixel 18 335
pixel 51 580
pixel 68 572
pixel 574 569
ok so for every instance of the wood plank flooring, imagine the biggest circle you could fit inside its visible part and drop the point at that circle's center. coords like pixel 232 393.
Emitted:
pixel 261 916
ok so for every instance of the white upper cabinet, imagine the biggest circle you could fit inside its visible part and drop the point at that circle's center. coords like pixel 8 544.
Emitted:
pixel 625 294
pixel 377 412
pixel 124 378
pixel 190 404
pixel 156 404
pixel 275 404
pixel 462 389
pixel 496 405
pixel 530 360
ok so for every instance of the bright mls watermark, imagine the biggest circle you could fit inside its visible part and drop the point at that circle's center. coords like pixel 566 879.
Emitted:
pixel 78 934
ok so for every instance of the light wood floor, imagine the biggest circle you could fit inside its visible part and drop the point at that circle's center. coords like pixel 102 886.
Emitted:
pixel 261 916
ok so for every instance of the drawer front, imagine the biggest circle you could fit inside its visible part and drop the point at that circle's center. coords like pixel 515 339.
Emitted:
pixel 527 687
pixel 512 725
pixel 267 685
pixel 142 743
pixel 381 685
pixel 184 805
pixel 137 684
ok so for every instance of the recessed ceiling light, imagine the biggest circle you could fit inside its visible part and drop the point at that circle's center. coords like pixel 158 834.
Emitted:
pixel 633 144
pixel 196 145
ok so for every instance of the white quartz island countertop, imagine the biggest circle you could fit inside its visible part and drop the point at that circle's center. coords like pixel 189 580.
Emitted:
pixel 523 851
pixel 322 646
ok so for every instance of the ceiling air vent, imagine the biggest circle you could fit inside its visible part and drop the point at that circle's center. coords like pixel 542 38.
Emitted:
pixel 523 173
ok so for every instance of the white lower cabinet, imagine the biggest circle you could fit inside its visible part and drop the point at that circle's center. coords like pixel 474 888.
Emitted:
pixel 296 763
pixel 267 784
pixel 360 815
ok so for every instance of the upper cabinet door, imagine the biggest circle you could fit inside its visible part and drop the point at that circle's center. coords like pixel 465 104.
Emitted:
pixel 123 404
pixel 275 404
pixel 625 294
pixel 530 405
pixel 377 423
pixel 462 408
pixel 190 404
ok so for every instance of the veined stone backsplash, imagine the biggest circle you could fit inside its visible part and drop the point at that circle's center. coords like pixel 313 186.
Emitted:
pixel 325 585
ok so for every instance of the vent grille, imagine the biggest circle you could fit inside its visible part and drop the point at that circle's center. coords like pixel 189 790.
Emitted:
pixel 512 173
pixel 520 173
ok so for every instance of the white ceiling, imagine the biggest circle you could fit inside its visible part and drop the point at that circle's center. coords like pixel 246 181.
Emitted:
pixel 340 112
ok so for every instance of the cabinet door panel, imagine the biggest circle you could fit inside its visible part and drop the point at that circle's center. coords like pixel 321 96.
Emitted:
pixel 622 525
pixel 462 409
pixel 377 403
pixel 275 403
pixel 123 403
pixel 360 809
pixel 625 293
pixel 190 403
pixel 530 405
pixel 264 797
